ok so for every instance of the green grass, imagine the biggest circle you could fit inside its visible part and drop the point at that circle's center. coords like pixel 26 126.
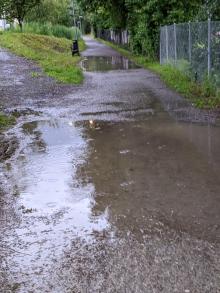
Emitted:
pixel 47 29
pixel 35 74
pixel 205 95
pixel 6 121
pixel 51 53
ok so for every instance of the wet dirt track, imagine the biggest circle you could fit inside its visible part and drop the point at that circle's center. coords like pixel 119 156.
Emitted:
pixel 114 186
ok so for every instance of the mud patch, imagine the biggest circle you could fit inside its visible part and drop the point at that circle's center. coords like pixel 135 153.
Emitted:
pixel 133 110
pixel 24 112
pixel 164 263
pixel 8 147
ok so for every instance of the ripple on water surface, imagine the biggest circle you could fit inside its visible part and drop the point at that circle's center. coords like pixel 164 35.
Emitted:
pixel 82 183
pixel 48 179
pixel 56 206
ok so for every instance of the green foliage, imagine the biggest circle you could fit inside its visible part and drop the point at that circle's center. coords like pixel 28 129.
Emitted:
pixel 209 87
pixel 143 18
pixel 202 95
pixel 61 31
pixel 209 8
pixel 105 13
pixel 52 54
pixel 17 9
pixel 48 29
pixel 51 11
pixel 146 16
pixel 35 74
pixel 184 66
pixel 6 121
pixel 100 19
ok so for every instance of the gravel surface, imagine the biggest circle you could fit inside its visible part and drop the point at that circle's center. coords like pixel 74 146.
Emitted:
pixel 111 186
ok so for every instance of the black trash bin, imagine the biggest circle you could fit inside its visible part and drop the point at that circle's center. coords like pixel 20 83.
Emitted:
pixel 75 47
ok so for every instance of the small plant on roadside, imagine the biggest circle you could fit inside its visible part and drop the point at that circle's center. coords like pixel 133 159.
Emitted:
pixel 206 94
pixel 208 87
pixel 35 74
pixel 6 121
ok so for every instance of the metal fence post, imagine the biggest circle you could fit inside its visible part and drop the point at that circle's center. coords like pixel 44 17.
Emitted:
pixel 175 48
pixel 160 45
pixel 190 42
pixel 209 46
pixel 167 44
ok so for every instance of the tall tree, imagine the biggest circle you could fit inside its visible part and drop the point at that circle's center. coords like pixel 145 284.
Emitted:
pixel 115 10
pixel 143 18
pixel 17 9
pixel 146 16
pixel 210 8
pixel 52 11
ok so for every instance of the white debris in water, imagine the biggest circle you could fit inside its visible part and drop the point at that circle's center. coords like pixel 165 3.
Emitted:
pixel 161 147
pixel 124 152
pixel 124 184
pixel 70 123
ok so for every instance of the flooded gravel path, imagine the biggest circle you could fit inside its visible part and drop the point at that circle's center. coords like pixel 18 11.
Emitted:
pixel 114 186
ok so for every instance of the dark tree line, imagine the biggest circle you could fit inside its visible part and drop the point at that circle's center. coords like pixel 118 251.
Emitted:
pixel 43 11
pixel 143 18
pixel 16 9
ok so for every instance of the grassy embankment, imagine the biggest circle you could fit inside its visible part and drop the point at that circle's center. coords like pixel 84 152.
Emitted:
pixel 49 46
pixel 51 53
pixel 205 96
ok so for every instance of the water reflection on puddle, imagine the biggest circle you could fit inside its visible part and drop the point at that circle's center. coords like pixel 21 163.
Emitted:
pixel 54 203
pixel 96 63
pixel 92 182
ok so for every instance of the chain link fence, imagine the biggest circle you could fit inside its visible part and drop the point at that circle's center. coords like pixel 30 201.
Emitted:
pixel 193 47
pixel 119 37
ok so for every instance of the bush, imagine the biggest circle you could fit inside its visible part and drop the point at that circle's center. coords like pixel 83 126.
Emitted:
pixel 209 87
pixel 61 31
pixel 47 29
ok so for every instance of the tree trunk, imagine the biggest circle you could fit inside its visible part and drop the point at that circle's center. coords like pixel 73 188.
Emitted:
pixel 20 23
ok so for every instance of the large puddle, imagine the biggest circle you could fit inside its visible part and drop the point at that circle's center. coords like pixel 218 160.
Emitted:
pixel 105 63
pixel 54 203
pixel 68 171
pixel 78 192
pixel 47 179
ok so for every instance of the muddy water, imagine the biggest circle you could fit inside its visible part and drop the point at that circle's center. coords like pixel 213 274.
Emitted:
pixel 81 197
pixel 95 63
pixel 45 176
pixel 54 205
pixel 157 168
pixel 112 194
